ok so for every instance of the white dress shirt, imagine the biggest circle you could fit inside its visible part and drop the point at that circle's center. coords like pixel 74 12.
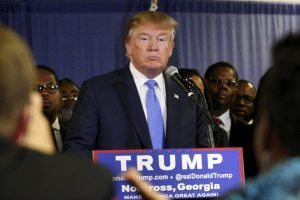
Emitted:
pixel 160 91
pixel 225 118
pixel 57 134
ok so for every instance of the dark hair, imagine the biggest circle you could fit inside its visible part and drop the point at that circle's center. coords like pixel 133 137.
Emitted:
pixel 212 67
pixel 188 73
pixel 68 80
pixel 247 82
pixel 281 92
pixel 46 68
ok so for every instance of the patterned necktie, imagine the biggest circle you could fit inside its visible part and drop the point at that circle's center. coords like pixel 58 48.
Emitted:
pixel 58 139
pixel 218 121
pixel 154 117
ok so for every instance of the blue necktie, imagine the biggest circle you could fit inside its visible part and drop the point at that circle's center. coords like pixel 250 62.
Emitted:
pixel 154 117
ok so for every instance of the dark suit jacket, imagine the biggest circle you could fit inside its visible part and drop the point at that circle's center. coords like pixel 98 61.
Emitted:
pixel 27 174
pixel 241 135
pixel 109 115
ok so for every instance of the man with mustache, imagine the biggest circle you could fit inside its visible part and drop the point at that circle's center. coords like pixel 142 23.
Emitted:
pixel 69 94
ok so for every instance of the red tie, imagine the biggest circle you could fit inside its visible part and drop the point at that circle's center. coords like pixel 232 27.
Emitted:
pixel 218 121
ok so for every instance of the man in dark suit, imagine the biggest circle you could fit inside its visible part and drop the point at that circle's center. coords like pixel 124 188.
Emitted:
pixel 111 111
pixel 222 79
pixel 27 167
pixel 47 86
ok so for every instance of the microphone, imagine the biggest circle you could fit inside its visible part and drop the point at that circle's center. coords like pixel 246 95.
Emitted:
pixel 172 72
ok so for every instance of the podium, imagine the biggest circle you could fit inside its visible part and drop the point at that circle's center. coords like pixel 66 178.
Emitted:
pixel 176 173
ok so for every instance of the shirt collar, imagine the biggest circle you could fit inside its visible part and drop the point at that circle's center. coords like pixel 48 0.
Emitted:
pixel 55 124
pixel 140 78
pixel 225 117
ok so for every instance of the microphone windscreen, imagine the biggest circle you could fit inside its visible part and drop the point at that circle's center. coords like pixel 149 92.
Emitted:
pixel 171 70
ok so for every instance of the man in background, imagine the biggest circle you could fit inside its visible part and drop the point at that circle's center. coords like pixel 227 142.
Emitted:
pixel 244 101
pixel 222 79
pixel 27 167
pixel 48 87
pixel 69 94
pixel 220 136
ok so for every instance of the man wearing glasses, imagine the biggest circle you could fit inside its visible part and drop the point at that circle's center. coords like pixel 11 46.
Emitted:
pixel 222 79
pixel 69 94
pixel 47 87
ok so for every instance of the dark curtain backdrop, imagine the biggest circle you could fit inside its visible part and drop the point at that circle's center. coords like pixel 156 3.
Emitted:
pixel 83 38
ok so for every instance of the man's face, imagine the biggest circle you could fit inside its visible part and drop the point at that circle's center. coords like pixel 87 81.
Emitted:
pixel 244 100
pixel 222 84
pixel 149 49
pixel 50 94
pixel 69 94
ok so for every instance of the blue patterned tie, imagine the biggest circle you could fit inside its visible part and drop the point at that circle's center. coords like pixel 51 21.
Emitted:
pixel 154 117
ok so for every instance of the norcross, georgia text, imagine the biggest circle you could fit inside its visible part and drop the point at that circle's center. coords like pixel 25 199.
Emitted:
pixel 180 187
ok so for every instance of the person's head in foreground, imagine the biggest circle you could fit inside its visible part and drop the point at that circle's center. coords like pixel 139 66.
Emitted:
pixel 20 108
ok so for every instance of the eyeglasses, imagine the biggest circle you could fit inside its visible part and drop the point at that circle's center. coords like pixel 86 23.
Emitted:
pixel 245 98
pixel 65 98
pixel 50 88
pixel 229 82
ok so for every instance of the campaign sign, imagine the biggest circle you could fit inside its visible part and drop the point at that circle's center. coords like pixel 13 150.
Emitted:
pixel 176 173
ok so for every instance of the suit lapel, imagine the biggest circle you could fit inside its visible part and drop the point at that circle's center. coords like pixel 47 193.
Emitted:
pixel 130 99
pixel 173 118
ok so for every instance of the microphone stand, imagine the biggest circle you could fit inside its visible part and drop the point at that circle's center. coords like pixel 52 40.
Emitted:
pixel 207 116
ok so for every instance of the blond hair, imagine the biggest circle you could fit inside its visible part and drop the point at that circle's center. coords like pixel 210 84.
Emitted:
pixel 16 78
pixel 150 17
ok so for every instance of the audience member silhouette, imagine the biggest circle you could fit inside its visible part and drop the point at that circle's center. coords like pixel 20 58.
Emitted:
pixel 27 167
pixel 277 133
